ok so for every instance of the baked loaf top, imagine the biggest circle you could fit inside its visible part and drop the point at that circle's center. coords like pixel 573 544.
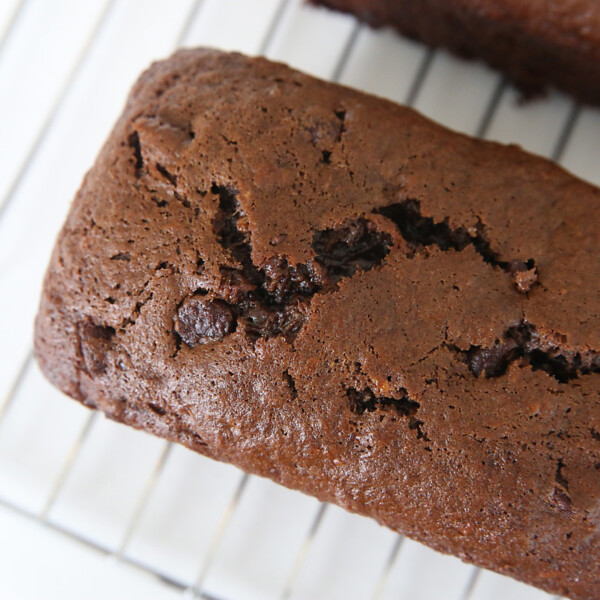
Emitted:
pixel 327 289
pixel 534 42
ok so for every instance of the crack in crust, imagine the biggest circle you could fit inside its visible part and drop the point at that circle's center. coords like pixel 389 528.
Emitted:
pixel 419 231
pixel 271 301
pixel 366 400
pixel 344 250
pixel 560 496
pixel 135 145
pixel 524 343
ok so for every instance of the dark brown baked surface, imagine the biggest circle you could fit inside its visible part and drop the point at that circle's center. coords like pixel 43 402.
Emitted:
pixel 329 290
pixel 536 43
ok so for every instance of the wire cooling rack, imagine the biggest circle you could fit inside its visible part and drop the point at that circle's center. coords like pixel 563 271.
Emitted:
pixel 89 508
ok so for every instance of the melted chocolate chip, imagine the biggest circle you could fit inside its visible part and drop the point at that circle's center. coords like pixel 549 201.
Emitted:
pixel 524 342
pixel 492 361
pixel 355 245
pixel 284 281
pixel 200 320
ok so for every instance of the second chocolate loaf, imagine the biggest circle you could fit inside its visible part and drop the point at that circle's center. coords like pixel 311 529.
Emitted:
pixel 536 43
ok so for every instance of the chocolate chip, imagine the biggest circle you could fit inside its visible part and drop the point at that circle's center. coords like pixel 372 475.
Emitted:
pixel 200 321
pixel 524 342
pixel 355 245
pixel 268 322
pixel 492 361
pixel 284 281
pixel 95 347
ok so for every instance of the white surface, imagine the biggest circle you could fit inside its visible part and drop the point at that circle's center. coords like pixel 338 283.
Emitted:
pixel 383 64
pixel 39 563
pixel 101 492
pixel 9 15
pixel 457 94
pixel 419 573
pixel 61 92
pixel 183 515
pixel 311 39
pixel 535 125
pixel 491 586
pixel 582 155
pixel 30 94
pixel 252 562
pixel 244 31
pixel 346 558
pixel 39 429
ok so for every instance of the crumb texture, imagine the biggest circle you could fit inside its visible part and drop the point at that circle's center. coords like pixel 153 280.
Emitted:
pixel 326 289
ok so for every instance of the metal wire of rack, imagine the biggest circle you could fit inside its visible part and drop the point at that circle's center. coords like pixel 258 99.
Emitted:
pixel 336 47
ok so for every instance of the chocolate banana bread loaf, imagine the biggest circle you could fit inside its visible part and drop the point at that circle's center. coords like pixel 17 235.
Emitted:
pixel 329 290
pixel 535 42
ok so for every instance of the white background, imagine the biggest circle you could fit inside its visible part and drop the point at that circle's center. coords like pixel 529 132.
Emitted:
pixel 90 509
